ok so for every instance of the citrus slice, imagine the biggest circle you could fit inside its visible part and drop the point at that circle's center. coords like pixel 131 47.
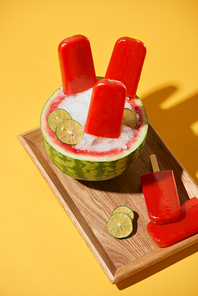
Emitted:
pixel 56 116
pixel 69 131
pixel 129 118
pixel 120 225
pixel 124 209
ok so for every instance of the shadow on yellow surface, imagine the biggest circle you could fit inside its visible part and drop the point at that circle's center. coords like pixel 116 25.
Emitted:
pixel 174 125
pixel 140 276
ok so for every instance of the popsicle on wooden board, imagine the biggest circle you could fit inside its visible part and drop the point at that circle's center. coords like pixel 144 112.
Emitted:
pixel 186 226
pixel 106 109
pixel 126 63
pixel 161 196
pixel 76 64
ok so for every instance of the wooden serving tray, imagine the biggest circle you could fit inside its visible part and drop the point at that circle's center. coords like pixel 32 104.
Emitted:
pixel 90 204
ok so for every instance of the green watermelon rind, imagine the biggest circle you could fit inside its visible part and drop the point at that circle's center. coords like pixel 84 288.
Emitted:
pixel 93 169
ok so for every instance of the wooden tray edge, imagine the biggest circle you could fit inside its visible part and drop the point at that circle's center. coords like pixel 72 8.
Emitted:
pixel 174 156
pixel 27 146
pixel 116 275
pixel 137 266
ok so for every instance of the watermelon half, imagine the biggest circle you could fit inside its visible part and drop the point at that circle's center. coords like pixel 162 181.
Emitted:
pixel 92 165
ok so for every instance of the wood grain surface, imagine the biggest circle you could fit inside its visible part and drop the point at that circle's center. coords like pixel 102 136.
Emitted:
pixel 90 204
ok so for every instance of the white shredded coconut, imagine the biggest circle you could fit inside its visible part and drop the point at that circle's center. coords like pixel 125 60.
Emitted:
pixel 77 106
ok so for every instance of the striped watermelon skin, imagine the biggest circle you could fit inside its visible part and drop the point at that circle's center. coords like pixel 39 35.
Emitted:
pixel 85 166
pixel 91 170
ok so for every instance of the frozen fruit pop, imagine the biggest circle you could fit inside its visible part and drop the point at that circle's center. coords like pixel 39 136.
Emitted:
pixel 76 64
pixel 186 226
pixel 106 109
pixel 126 63
pixel 161 196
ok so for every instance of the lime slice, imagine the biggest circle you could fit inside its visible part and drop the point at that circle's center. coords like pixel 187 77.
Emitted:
pixel 56 116
pixel 125 210
pixel 69 131
pixel 120 225
pixel 129 118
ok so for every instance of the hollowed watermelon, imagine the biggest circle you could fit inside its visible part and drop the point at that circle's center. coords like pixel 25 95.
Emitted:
pixel 92 165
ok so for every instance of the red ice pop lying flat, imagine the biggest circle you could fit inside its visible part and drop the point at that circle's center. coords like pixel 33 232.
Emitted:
pixel 106 109
pixel 126 63
pixel 76 64
pixel 186 226
pixel 161 194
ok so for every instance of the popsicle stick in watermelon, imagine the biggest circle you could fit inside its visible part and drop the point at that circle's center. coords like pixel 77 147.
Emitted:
pixel 126 63
pixel 161 196
pixel 76 64
pixel 106 109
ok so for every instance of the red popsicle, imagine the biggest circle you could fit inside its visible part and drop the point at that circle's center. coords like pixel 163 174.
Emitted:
pixel 161 196
pixel 126 63
pixel 76 64
pixel 186 226
pixel 106 109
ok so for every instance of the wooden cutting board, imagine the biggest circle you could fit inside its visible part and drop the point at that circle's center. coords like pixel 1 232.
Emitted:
pixel 90 204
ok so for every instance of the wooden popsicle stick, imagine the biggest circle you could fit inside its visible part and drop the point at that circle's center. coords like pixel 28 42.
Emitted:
pixel 154 163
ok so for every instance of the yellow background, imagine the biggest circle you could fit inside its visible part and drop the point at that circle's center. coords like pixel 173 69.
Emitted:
pixel 41 252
